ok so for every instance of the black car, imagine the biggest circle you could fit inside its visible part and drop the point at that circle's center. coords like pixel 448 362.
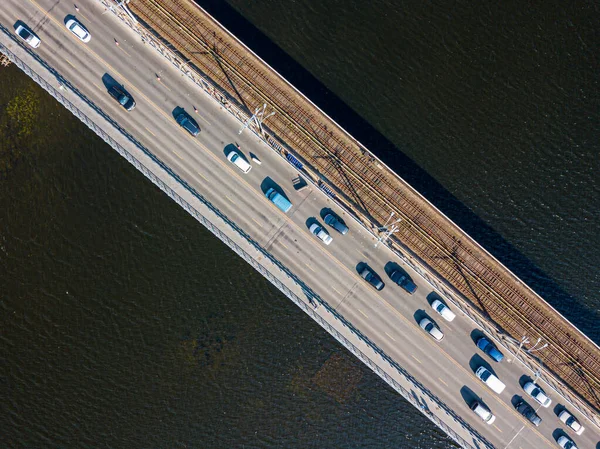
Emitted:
pixel 372 278
pixel 122 96
pixel 528 412
pixel 336 223
pixel 188 123
pixel 403 281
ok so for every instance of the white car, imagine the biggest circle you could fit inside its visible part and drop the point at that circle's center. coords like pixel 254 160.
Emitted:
pixel 571 421
pixel 565 442
pixel 320 233
pixel 537 393
pixel 239 161
pixel 78 30
pixel 27 35
pixel 443 310
pixel 431 329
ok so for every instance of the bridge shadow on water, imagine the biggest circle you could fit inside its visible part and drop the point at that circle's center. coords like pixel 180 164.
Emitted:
pixel 389 153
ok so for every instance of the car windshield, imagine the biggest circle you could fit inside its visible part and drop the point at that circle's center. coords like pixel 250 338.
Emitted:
pixel 428 327
pixel 569 445
pixel 440 307
pixel 123 100
pixel 24 33
pixel 234 158
pixel 570 421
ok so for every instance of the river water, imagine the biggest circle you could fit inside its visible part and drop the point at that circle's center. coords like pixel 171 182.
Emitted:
pixel 126 324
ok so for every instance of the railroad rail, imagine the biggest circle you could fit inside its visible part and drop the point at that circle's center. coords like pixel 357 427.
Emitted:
pixel 375 191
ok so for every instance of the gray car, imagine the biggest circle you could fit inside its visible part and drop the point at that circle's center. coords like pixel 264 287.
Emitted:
pixel 336 223
pixel 372 278
pixel 528 412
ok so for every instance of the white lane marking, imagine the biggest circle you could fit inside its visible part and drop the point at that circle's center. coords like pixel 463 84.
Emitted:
pixel 415 358
pixel 202 176
pixel 255 221
pixel 497 428
pixel 366 316
pixel 442 381
pixel 177 154
pixel 70 63
pixel 232 202
pixel 389 336
pixel 150 132
pixel 339 292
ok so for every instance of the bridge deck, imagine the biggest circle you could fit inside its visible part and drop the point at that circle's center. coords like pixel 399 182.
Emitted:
pixel 375 191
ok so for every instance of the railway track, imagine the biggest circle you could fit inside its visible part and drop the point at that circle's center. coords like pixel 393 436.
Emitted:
pixel 376 192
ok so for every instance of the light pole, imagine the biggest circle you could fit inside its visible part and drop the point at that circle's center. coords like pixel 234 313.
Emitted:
pixel 533 349
pixel 387 232
pixel 258 118
pixel 524 340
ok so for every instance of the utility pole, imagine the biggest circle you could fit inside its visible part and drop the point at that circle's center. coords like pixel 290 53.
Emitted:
pixel 523 341
pixel 388 231
pixel 258 118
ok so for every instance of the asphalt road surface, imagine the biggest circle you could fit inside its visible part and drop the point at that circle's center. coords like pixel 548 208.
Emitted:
pixel 389 318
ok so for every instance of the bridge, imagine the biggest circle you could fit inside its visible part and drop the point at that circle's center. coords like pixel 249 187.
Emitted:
pixel 140 49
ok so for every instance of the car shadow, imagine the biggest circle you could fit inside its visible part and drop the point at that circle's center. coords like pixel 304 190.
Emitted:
pixel 476 361
pixel 420 314
pixel 469 395
pixel 325 211
pixel 361 266
pixel 268 183
pixel 231 147
pixel 515 400
pixel 524 379
pixel 558 432
pixel 69 17
pixel 109 81
pixel 311 220
pixel 390 267
pixel 476 334
pixel 433 296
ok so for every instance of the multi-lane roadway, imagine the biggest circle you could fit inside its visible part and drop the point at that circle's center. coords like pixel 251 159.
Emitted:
pixel 389 317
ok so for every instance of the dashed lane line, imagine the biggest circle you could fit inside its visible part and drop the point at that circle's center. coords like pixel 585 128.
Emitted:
pixel 415 358
pixel 230 200
pixel 231 172
pixel 442 381
pixel 177 154
pixel 366 316
pixel 257 222
pixel 150 131
pixel 389 335
pixel 339 292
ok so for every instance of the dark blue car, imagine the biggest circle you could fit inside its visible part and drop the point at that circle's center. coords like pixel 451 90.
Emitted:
pixel 486 346
pixel 188 123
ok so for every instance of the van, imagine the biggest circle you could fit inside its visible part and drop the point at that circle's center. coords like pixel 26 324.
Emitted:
pixel 239 161
pixel 490 380
pixel 483 412
pixel 278 200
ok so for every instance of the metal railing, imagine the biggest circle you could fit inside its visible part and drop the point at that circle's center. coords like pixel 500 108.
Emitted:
pixel 314 300
pixel 446 290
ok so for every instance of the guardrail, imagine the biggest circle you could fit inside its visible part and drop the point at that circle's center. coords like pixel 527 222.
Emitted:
pixel 314 300
pixel 447 291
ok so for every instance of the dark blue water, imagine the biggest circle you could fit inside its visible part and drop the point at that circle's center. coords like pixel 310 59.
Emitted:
pixel 115 331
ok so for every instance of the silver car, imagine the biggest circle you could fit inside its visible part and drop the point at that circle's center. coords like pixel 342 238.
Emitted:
pixel 566 442
pixel 537 393
pixel 321 233
pixel 431 329
pixel 571 421
pixel 75 27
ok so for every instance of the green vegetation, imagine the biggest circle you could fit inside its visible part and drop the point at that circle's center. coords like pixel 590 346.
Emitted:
pixel 18 119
